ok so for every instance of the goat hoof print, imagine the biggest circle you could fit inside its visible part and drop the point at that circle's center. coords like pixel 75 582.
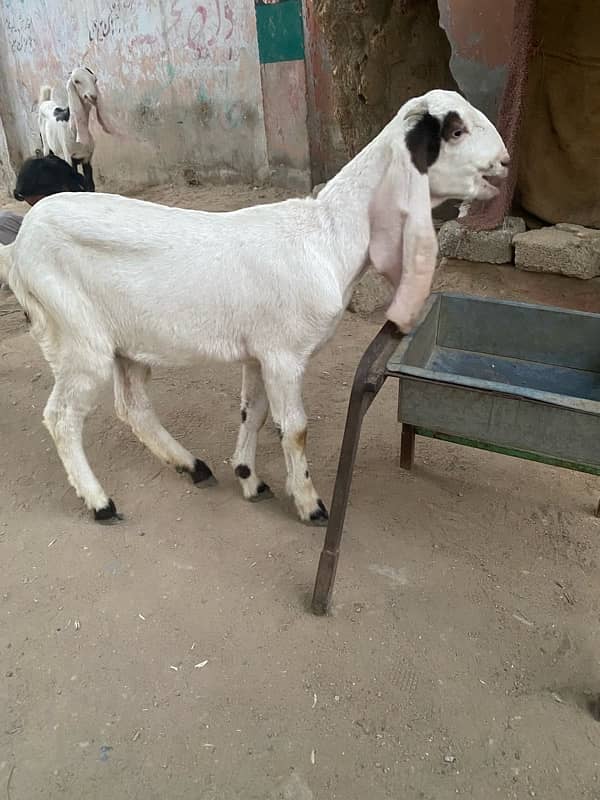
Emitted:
pixel 107 515
pixel 262 493
pixel 111 520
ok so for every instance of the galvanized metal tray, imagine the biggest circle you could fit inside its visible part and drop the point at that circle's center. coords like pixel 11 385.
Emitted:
pixel 511 377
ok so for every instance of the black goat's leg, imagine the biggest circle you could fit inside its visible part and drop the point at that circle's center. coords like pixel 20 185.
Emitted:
pixel 88 175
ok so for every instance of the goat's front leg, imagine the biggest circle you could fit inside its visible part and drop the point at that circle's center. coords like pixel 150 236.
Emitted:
pixel 88 175
pixel 254 408
pixel 284 390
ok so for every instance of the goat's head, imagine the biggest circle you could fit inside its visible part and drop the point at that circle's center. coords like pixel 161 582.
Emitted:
pixel 84 94
pixel 85 84
pixel 440 148
pixel 459 148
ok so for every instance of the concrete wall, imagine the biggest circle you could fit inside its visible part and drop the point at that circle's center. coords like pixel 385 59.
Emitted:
pixel 181 77
pixel 7 175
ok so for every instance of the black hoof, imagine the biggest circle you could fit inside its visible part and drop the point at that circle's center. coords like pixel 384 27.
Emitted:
pixel 320 517
pixel 107 515
pixel 263 492
pixel 201 475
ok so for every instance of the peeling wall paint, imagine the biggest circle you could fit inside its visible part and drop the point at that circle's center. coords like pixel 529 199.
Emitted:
pixel 327 150
pixel 181 78
pixel 479 32
pixel 284 97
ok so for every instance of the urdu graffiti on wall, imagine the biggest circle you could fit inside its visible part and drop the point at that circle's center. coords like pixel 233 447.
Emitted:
pixel 109 23
pixel 211 26
pixel 20 32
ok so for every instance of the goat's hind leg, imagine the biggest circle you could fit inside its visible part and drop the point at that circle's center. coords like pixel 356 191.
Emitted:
pixel 283 382
pixel 254 409
pixel 70 401
pixel 133 406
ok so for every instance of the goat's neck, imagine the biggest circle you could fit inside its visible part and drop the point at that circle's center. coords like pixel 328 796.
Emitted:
pixel 346 200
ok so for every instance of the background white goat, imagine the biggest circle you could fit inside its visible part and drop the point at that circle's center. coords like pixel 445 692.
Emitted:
pixel 114 286
pixel 66 131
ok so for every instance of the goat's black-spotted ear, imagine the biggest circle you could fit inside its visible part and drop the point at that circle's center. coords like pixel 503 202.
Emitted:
pixel 452 125
pixel 424 141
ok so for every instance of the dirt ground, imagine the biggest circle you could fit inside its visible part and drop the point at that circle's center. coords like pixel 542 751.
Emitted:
pixel 173 658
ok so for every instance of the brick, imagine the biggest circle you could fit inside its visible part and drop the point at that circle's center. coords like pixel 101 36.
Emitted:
pixel 491 247
pixel 564 249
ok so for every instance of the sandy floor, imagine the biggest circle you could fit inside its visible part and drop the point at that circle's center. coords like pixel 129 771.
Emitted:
pixel 172 657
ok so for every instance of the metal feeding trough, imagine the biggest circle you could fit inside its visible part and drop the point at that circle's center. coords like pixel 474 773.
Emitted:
pixel 513 378
pixel 509 377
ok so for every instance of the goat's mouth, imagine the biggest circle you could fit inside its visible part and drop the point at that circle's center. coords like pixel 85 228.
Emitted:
pixel 492 184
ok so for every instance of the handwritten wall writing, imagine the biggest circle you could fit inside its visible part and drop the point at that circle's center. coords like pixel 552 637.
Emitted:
pixel 210 26
pixel 20 32
pixel 109 23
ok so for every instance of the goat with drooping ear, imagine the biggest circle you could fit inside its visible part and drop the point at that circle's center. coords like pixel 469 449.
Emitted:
pixel 79 115
pixel 102 116
pixel 403 243
pixel 431 161
pixel 66 131
pixel 265 286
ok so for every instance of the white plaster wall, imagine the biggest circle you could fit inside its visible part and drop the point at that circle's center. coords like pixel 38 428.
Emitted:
pixel 182 79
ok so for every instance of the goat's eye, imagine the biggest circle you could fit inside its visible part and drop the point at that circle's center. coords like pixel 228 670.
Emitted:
pixel 458 133
pixel 77 82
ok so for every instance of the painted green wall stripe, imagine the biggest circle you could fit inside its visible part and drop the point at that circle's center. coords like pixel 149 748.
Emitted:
pixel 280 33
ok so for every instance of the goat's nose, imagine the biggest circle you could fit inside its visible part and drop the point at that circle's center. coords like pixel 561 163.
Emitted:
pixel 505 162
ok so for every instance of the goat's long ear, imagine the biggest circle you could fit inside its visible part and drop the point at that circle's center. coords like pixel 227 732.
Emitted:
pixel 79 113
pixel 403 244
pixel 105 121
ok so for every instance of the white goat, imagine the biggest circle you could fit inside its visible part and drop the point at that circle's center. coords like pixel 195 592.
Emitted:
pixel 65 131
pixel 114 286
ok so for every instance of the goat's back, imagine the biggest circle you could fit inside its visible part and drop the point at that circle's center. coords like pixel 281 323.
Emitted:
pixel 174 283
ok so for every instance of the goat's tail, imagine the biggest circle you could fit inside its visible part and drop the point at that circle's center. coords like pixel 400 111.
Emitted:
pixel 5 262
pixel 45 94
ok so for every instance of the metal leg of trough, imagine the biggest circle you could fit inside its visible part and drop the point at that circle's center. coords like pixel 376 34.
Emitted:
pixel 598 509
pixel 368 380
pixel 407 447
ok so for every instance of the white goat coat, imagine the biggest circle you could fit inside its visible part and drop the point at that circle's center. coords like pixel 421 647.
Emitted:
pixel 61 137
pixel 113 285
pixel 72 139
pixel 168 286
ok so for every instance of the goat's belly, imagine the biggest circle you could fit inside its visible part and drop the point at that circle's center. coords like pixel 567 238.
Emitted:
pixel 181 349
